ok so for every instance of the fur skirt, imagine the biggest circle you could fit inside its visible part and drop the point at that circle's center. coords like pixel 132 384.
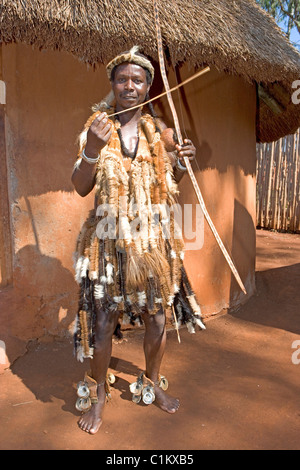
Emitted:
pixel 102 285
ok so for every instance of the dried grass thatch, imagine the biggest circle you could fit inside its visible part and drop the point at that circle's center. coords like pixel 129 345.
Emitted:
pixel 235 36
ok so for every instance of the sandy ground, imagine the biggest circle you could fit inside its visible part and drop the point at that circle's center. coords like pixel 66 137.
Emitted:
pixel 237 383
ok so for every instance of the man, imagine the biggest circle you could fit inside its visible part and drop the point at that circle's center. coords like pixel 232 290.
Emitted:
pixel 136 275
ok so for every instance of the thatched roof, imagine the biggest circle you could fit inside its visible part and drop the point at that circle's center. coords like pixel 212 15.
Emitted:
pixel 235 36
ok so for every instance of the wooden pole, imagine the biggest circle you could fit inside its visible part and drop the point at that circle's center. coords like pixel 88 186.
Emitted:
pixel 276 187
pixel 269 187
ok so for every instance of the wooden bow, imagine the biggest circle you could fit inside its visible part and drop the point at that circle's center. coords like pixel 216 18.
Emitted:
pixel 180 141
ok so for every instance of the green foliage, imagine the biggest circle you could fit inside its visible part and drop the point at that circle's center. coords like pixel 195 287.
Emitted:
pixel 285 12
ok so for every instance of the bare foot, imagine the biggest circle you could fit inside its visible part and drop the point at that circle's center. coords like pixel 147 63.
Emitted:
pixel 164 401
pixel 91 421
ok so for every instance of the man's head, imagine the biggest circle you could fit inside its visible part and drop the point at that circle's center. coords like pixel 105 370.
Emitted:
pixel 129 85
pixel 131 57
pixel 133 68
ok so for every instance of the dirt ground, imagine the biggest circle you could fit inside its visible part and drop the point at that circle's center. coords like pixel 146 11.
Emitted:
pixel 237 383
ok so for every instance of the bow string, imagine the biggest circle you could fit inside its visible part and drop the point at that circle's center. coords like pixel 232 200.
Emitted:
pixel 181 143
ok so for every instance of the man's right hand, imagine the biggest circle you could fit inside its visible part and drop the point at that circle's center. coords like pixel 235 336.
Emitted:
pixel 98 135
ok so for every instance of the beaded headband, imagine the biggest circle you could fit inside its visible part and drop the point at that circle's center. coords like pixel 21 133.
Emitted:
pixel 133 58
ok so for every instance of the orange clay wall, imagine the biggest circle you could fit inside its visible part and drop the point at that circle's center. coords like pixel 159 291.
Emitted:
pixel 48 98
pixel 218 114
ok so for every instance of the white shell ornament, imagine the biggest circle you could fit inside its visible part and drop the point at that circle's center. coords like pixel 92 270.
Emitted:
pixel 136 398
pixel 83 390
pixel 143 388
pixel 163 383
pixel 148 395
pixel 83 404
pixel 136 388
pixel 111 378
pixel 148 398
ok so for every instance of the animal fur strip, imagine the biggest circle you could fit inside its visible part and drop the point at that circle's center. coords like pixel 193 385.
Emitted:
pixel 134 267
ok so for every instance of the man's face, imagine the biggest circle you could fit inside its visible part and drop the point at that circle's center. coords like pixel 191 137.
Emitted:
pixel 129 85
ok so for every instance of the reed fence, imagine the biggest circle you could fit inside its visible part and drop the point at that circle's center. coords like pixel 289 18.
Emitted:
pixel 278 184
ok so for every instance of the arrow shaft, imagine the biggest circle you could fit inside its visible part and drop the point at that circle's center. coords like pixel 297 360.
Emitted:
pixel 196 75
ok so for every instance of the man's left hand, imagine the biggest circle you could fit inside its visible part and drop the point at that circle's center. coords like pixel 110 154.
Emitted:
pixel 187 150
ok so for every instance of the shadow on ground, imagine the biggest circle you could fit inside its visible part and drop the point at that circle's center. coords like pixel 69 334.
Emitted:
pixel 236 381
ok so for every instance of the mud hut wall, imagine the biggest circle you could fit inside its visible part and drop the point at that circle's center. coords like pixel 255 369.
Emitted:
pixel 49 95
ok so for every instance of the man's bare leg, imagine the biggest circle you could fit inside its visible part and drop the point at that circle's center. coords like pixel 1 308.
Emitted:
pixel 105 326
pixel 154 348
